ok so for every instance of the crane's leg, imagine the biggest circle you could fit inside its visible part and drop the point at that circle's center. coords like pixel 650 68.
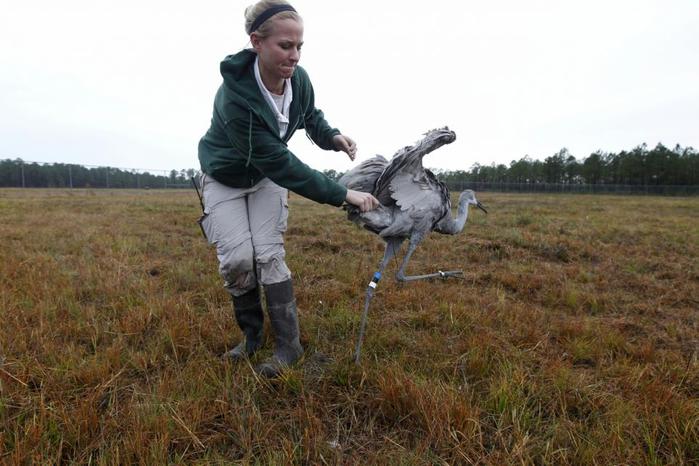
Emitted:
pixel 402 277
pixel 392 247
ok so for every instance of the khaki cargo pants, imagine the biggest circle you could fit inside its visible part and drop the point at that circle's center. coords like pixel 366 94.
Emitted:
pixel 247 227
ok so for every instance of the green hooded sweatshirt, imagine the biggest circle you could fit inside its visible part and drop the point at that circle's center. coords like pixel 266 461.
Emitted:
pixel 243 145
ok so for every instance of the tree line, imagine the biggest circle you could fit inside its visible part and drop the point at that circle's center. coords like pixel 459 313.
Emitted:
pixel 637 167
pixel 640 166
pixel 18 173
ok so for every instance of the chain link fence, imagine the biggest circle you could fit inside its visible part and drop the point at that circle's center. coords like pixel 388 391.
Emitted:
pixel 23 174
pixel 661 190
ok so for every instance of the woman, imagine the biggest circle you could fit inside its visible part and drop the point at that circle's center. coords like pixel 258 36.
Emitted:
pixel 247 168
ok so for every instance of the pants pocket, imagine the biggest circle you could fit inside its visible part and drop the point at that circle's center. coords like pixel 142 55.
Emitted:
pixel 283 220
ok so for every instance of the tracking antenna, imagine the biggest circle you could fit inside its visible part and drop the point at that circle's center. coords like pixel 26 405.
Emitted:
pixel 200 222
pixel 196 188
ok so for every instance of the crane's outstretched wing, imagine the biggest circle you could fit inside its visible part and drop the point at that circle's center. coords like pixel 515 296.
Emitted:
pixel 405 181
pixel 363 177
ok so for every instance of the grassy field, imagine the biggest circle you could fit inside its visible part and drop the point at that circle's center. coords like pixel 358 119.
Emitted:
pixel 572 339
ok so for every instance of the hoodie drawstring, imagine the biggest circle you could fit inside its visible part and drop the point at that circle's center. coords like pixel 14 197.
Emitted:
pixel 249 139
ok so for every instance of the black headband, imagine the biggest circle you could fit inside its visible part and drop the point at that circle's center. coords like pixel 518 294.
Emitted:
pixel 268 13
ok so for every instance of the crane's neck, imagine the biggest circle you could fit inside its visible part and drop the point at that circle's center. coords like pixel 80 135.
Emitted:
pixel 453 225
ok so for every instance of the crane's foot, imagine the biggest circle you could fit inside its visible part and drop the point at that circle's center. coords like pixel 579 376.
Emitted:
pixel 451 273
pixel 440 274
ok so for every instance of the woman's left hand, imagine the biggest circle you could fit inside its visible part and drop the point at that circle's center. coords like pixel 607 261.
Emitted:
pixel 346 145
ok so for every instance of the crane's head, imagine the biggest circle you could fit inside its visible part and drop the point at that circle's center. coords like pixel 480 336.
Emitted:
pixel 436 138
pixel 469 197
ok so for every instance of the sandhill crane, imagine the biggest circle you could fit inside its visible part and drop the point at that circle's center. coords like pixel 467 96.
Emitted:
pixel 413 201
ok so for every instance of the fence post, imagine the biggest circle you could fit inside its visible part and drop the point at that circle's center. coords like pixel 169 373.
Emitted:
pixel 21 167
pixel 70 176
pixel 107 177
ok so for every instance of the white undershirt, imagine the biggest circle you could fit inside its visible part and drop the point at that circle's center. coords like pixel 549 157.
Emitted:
pixel 278 103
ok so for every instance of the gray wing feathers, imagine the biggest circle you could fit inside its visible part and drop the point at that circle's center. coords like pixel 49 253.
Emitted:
pixel 407 161
pixel 363 177
pixel 410 190
pixel 445 199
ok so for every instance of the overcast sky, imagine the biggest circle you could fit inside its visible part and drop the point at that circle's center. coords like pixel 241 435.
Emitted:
pixel 131 83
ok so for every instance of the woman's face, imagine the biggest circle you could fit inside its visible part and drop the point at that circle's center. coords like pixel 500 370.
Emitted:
pixel 281 50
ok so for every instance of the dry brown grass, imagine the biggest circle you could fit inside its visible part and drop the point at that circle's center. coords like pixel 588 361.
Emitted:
pixel 572 339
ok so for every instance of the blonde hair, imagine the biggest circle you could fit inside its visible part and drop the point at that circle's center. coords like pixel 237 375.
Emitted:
pixel 265 29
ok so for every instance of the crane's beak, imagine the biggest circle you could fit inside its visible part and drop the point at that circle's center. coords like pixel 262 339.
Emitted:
pixel 480 206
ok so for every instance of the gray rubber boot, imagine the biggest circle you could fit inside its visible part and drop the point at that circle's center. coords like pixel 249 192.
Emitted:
pixel 283 316
pixel 248 313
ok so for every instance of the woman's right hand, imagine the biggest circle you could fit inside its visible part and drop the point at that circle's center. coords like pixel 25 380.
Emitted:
pixel 365 201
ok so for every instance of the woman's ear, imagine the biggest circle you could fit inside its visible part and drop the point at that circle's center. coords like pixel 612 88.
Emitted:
pixel 255 40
